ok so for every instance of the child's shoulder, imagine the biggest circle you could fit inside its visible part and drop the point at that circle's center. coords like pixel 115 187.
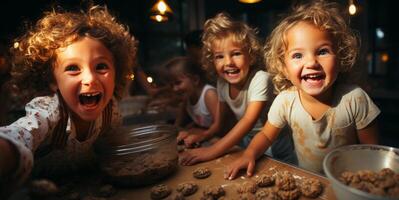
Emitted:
pixel 350 91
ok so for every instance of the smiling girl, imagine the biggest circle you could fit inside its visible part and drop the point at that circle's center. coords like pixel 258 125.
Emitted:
pixel 233 52
pixel 74 66
pixel 308 54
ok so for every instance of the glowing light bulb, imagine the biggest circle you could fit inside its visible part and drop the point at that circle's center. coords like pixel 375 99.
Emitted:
pixel 162 7
pixel 352 9
pixel 149 79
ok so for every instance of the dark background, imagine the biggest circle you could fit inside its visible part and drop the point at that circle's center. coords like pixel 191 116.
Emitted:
pixel 162 41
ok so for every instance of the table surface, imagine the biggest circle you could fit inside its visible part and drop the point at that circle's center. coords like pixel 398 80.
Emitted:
pixel 218 166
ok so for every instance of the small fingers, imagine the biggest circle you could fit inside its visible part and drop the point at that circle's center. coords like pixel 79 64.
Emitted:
pixel 251 168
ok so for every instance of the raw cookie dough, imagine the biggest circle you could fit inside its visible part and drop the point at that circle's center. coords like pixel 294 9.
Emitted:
pixel 311 187
pixel 187 188
pixel 160 191
pixel 265 180
pixel 202 172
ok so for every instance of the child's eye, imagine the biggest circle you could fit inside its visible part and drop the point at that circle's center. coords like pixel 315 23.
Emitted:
pixel 72 68
pixel 297 56
pixel 101 66
pixel 218 57
pixel 237 53
pixel 324 51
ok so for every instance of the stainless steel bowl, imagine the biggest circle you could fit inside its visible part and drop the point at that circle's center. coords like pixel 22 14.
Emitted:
pixel 354 158
pixel 139 155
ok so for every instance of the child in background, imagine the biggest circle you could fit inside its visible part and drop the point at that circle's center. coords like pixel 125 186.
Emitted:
pixel 309 54
pixel 199 99
pixel 76 66
pixel 232 51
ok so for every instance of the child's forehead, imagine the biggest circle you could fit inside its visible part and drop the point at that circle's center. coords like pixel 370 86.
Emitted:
pixel 229 40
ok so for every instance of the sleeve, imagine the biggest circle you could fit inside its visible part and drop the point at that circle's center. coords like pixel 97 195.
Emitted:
pixel 27 133
pixel 260 88
pixel 277 111
pixel 221 85
pixel 363 108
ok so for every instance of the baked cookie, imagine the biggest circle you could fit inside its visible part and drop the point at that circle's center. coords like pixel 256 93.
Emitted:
pixel 265 180
pixel 246 196
pixel 285 181
pixel 267 193
pixel 160 191
pixel 106 191
pixel 202 172
pixel 289 194
pixel 42 188
pixel 213 192
pixel 187 188
pixel 311 187
pixel 247 186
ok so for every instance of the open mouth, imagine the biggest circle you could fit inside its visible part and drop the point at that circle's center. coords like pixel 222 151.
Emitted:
pixel 313 77
pixel 90 99
pixel 232 71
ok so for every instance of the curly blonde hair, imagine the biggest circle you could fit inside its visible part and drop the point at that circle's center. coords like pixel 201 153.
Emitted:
pixel 327 17
pixel 223 26
pixel 34 53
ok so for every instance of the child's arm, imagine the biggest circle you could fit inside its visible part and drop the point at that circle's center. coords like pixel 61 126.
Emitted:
pixel 369 135
pixel 258 145
pixel 243 126
pixel 8 155
pixel 212 103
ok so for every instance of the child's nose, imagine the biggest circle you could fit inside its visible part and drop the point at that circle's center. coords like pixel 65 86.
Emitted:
pixel 88 77
pixel 311 61
pixel 227 61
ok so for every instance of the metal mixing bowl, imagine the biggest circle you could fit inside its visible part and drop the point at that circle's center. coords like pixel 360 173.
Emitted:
pixel 358 157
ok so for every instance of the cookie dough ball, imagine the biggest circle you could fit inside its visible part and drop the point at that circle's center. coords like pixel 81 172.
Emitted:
pixel 289 194
pixel 247 187
pixel 187 188
pixel 160 191
pixel 311 187
pixel 213 192
pixel 106 191
pixel 285 181
pixel 202 172
pixel 265 180
pixel 43 188
pixel 246 196
pixel 267 194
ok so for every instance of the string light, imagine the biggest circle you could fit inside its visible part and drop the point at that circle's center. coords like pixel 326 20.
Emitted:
pixel 352 8
pixel 161 12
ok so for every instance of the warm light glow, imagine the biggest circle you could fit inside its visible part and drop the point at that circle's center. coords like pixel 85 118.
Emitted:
pixel 352 9
pixel 161 7
pixel 161 12
pixel 249 1
pixel 16 45
pixel 149 79
pixel 159 18
pixel 384 57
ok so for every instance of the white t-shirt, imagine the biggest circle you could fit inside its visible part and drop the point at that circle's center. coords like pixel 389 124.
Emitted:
pixel 33 133
pixel 198 112
pixel 352 110
pixel 258 87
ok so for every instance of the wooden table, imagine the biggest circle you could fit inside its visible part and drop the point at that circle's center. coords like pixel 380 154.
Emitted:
pixel 184 173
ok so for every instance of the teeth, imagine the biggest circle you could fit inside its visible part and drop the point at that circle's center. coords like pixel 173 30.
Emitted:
pixel 90 94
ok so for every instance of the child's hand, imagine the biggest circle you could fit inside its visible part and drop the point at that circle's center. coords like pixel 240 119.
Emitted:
pixel 181 136
pixel 193 139
pixel 243 162
pixel 193 156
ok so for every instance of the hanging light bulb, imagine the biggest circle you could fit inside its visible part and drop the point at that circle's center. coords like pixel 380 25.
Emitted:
pixel 352 8
pixel 161 12
pixel 249 1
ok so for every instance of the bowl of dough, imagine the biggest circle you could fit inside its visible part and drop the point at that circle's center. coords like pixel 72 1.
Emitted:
pixel 139 155
pixel 360 172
